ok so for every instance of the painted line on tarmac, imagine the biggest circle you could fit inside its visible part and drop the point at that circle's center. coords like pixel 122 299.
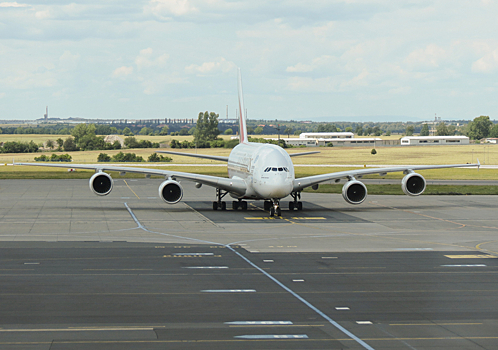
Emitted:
pixel 297 296
pixel 131 189
pixel 304 301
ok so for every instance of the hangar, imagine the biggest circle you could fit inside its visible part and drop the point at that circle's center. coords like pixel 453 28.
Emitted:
pixel 434 140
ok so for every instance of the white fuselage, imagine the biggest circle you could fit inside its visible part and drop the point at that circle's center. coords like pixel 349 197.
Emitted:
pixel 267 170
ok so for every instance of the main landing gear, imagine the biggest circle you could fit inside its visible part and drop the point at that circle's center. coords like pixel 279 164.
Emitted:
pixel 298 205
pixel 219 204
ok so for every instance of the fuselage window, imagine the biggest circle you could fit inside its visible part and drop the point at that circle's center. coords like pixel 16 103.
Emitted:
pixel 273 169
pixel 280 169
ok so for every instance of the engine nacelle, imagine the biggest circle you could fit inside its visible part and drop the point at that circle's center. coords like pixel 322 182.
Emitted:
pixel 171 192
pixel 101 183
pixel 354 192
pixel 413 184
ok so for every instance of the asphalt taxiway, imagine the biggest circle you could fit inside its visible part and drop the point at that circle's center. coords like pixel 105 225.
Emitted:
pixel 128 271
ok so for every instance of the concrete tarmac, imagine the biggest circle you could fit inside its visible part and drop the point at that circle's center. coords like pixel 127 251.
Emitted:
pixel 128 271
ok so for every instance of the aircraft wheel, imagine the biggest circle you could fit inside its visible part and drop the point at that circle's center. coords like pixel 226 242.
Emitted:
pixel 279 211
pixel 215 205
pixel 244 205
pixel 272 211
pixel 291 206
pixel 299 205
pixel 223 206
pixel 235 205
pixel 267 205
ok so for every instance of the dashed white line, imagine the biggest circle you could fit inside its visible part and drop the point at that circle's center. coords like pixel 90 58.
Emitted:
pixel 475 265
pixel 273 336
pixel 228 291
pixel 205 267
pixel 189 254
pixel 258 323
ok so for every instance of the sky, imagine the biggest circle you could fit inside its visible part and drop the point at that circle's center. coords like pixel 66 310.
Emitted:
pixel 324 60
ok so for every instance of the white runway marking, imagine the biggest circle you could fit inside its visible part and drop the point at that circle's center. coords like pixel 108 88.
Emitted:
pixel 257 323
pixel 205 267
pixel 415 249
pixel 273 336
pixel 301 299
pixel 475 265
pixel 228 290
pixel 193 254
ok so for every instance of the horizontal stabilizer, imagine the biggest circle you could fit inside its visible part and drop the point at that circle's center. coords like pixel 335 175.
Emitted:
pixel 302 153
pixel 205 156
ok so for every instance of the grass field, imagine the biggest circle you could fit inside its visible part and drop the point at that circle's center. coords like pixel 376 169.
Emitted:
pixel 26 172
pixel 359 156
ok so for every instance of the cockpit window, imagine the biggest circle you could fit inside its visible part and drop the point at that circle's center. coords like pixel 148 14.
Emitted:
pixel 276 169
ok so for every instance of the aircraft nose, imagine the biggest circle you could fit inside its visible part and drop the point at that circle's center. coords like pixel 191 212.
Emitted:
pixel 278 190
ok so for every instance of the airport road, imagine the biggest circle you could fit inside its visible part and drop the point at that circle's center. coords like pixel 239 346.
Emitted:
pixel 128 271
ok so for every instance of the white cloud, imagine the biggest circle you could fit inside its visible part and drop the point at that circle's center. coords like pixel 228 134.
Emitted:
pixel 144 60
pixel 431 56
pixel 12 4
pixel 43 14
pixel 164 9
pixel 219 65
pixel 486 64
pixel 305 84
pixel 122 72
pixel 319 62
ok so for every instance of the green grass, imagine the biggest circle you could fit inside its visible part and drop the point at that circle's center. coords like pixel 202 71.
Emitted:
pixel 27 172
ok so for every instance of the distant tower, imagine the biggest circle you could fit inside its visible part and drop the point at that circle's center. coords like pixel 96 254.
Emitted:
pixel 46 115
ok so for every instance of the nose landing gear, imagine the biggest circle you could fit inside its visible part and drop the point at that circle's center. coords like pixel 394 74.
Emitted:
pixel 274 207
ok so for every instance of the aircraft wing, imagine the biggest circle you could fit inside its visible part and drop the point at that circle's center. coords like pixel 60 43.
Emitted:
pixel 231 185
pixel 303 182
pixel 205 156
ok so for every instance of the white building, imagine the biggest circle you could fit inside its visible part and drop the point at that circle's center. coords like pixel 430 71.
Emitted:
pixel 326 135
pixel 348 142
pixel 434 140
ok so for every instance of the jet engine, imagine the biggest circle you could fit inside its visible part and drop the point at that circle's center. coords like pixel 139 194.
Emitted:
pixel 354 192
pixel 101 183
pixel 413 184
pixel 170 191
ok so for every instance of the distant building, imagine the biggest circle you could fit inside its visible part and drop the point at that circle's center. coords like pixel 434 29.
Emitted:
pixel 347 142
pixel 326 135
pixel 113 138
pixel 434 140
pixel 492 140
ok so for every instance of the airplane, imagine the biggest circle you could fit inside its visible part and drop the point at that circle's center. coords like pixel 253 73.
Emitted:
pixel 257 171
